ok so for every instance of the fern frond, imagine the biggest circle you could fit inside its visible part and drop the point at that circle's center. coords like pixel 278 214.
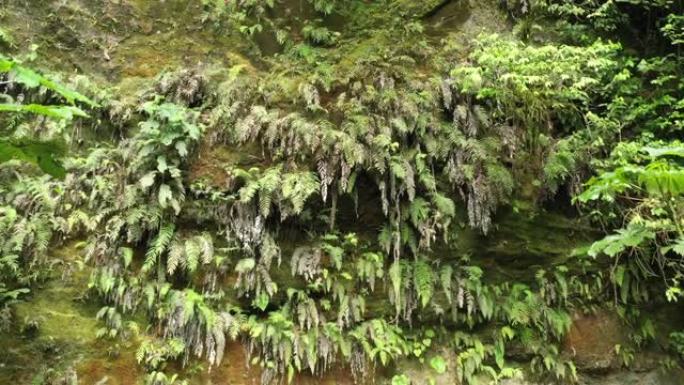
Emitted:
pixel 192 255
pixel 159 245
pixel 424 281
pixel 206 245
pixel 175 257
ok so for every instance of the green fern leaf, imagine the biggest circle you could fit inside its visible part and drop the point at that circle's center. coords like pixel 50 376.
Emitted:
pixel 175 257
pixel 424 281
pixel 158 246
pixel 396 280
pixel 192 255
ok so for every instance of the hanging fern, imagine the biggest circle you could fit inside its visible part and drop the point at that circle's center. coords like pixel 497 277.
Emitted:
pixel 424 281
pixel 159 246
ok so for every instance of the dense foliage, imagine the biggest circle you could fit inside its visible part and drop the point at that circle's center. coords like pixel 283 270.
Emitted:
pixel 361 158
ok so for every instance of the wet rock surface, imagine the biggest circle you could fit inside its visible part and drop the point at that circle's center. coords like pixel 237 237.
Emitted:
pixel 653 377
pixel 424 374
pixel 592 339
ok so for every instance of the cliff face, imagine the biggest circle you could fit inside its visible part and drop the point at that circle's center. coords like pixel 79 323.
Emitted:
pixel 378 74
pixel 117 42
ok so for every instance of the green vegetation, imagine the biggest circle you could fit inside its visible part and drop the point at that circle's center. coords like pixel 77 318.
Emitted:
pixel 355 190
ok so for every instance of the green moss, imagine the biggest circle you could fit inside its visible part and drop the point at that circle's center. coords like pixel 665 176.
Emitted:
pixel 119 41
pixel 66 326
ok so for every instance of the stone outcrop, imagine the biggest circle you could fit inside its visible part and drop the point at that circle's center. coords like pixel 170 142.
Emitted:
pixel 592 339
pixel 653 377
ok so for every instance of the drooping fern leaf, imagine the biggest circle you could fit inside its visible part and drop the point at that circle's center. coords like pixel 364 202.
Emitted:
pixel 159 246
pixel 424 281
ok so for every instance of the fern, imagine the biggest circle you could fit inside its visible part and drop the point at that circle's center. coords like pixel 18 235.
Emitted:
pixel 424 280
pixel 395 276
pixel 298 187
pixel 192 254
pixel 159 246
